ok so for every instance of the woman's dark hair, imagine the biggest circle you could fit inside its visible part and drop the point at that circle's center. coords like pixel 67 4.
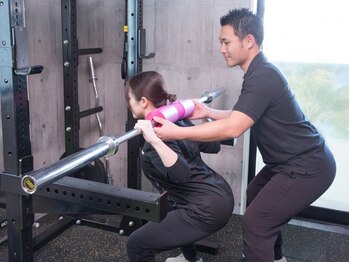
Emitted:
pixel 151 85
pixel 244 22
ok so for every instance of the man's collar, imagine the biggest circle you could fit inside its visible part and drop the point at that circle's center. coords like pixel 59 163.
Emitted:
pixel 255 61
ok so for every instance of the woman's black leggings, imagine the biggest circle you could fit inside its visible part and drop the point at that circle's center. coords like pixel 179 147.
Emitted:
pixel 176 231
pixel 152 238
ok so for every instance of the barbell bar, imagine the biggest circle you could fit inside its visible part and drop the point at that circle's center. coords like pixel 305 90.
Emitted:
pixel 105 146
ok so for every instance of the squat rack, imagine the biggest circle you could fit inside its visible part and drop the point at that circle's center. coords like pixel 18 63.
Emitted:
pixel 68 195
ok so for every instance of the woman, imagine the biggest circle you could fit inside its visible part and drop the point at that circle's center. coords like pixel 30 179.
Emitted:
pixel 200 201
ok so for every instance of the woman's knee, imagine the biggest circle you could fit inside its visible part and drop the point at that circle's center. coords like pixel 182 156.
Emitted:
pixel 133 244
pixel 136 250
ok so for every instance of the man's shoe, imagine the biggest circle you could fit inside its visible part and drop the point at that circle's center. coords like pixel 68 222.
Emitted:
pixel 283 259
pixel 181 258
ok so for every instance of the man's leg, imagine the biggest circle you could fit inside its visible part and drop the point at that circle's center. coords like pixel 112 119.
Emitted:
pixel 280 199
pixel 278 247
pixel 254 187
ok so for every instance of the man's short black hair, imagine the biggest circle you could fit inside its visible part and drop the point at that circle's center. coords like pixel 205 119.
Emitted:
pixel 244 23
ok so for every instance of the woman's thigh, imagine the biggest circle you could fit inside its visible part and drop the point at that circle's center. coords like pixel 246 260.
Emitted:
pixel 171 232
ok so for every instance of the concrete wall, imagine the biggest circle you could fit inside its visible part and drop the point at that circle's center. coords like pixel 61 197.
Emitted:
pixel 100 24
pixel 184 36
pixel 182 33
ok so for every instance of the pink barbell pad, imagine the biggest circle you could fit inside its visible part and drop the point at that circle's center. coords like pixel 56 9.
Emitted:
pixel 173 112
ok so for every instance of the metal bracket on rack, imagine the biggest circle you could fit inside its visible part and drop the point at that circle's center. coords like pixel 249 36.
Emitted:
pixel 31 70
pixel 142 45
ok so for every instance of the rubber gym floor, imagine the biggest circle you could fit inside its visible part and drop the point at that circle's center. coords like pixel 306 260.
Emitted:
pixel 80 243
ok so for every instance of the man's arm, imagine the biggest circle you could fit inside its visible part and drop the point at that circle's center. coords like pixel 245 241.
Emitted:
pixel 231 127
pixel 202 111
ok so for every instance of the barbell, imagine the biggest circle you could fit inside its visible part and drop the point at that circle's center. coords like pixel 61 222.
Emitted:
pixel 107 145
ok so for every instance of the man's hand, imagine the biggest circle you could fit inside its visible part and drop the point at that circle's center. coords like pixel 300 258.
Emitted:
pixel 201 111
pixel 166 130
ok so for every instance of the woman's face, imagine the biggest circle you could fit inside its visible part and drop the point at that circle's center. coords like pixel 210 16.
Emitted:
pixel 136 107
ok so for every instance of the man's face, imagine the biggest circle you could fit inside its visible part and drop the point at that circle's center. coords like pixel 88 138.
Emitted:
pixel 233 49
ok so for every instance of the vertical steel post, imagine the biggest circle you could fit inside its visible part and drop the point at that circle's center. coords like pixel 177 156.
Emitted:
pixel 70 75
pixel 132 24
pixel 15 128
pixel 134 66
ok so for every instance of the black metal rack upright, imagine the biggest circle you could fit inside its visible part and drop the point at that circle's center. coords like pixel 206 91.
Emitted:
pixel 133 66
pixel 134 53
pixel 15 127
pixel 72 113
pixel 70 75
pixel 71 52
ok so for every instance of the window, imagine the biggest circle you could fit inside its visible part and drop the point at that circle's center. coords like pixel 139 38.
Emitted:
pixel 309 42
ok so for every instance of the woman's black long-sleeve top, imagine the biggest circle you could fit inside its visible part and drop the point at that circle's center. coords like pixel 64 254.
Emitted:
pixel 204 197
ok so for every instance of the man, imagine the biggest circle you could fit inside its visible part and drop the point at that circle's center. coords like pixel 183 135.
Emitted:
pixel 299 167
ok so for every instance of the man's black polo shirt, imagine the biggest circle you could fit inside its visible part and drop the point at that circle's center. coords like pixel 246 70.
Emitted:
pixel 287 141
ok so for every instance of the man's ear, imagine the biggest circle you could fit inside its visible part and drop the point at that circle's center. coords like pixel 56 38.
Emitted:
pixel 251 41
